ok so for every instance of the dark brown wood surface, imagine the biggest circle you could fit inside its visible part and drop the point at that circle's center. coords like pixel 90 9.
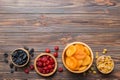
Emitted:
pixel 44 24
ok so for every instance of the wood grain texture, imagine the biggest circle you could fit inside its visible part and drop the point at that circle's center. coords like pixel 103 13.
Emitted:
pixel 44 24
pixel 62 6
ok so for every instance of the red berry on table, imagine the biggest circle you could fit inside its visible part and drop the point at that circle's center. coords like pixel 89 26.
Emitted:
pixel 26 70
pixel 55 54
pixel 56 48
pixel 31 67
pixel 47 50
pixel 60 69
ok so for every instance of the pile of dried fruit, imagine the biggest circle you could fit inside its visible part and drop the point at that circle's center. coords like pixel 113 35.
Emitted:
pixel 78 57
pixel 45 64
pixel 19 57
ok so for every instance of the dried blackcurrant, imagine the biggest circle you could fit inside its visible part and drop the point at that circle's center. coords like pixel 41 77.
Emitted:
pixel 12 71
pixel 11 65
pixel 5 54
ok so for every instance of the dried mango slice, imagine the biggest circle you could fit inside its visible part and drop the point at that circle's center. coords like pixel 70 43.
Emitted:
pixel 86 61
pixel 71 62
pixel 71 50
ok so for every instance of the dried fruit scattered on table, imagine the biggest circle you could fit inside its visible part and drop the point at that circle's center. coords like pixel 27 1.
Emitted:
pixel 104 51
pixel 31 67
pixel 96 56
pixel 31 52
pixel 94 72
pixel 55 54
pixel 11 65
pixel 47 50
pixel 56 48
pixel 11 70
pixel 5 55
pixel 60 69
pixel 26 70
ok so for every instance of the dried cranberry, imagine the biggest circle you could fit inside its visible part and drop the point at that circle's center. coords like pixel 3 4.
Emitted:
pixel 60 69
pixel 47 50
pixel 56 48
pixel 31 67
pixel 55 54
pixel 26 70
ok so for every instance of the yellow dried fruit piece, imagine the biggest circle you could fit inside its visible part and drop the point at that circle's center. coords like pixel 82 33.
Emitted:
pixel 96 55
pixel 87 50
pixel 87 60
pixel 82 68
pixel 104 51
pixel 71 62
pixel 71 50
pixel 94 72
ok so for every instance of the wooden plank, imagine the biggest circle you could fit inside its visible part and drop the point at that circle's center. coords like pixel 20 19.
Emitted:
pixel 62 6
pixel 46 20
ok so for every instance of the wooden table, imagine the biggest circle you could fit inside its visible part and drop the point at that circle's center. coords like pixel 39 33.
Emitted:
pixel 41 24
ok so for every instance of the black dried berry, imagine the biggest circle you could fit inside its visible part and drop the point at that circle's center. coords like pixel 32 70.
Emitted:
pixel 32 55
pixel 11 65
pixel 31 51
pixel 12 71
pixel 5 60
pixel 15 68
pixel 26 48
pixel 5 55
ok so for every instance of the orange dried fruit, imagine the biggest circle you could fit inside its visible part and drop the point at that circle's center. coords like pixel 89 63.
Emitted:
pixel 79 63
pixel 71 50
pixel 87 50
pixel 82 68
pixel 80 55
pixel 71 62
pixel 86 61
pixel 79 47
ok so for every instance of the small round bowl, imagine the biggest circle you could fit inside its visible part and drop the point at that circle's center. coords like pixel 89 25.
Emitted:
pixel 35 64
pixel 101 64
pixel 28 57
pixel 64 56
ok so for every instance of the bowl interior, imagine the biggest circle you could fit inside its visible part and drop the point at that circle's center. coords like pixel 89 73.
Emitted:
pixel 64 53
pixel 26 58
pixel 48 74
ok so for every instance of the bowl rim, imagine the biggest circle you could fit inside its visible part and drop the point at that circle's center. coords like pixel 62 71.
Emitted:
pixel 49 74
pixel 63 53
pixel 101 71
pixel 25 52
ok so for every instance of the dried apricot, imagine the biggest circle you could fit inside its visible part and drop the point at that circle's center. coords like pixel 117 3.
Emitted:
pixel 87 50
pixel 80 55
pixel 71 62
pixel 71 50
pixel 86 61
pixel 82 68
